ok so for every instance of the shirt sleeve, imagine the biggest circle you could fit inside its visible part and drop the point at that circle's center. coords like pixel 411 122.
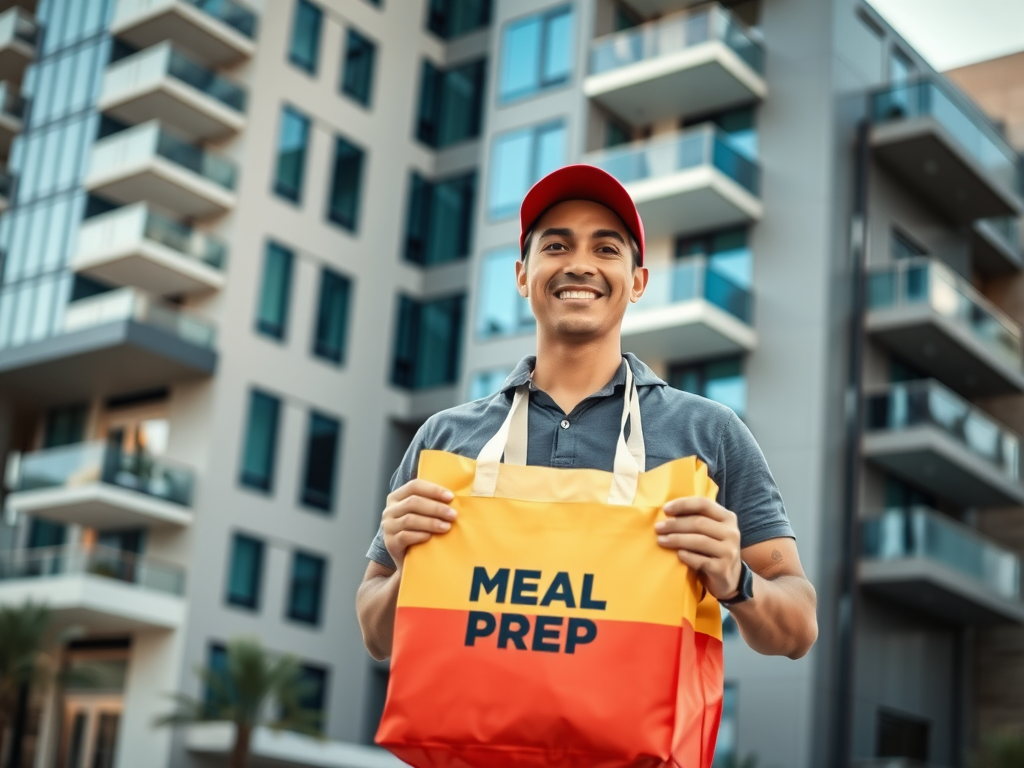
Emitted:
pixel 748 488
pixel 406 471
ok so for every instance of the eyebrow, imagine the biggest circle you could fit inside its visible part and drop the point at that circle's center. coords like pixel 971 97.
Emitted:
pixel 559 231
pixel 596 234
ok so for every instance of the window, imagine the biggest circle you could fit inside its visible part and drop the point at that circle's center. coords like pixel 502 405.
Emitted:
pixel 272 311
pixel 728 253
pixel 65 425
pixel 451 102
pixel 902 736
pixel 291 154
pixel 245 572
pixel 738 125
pixel 343 205
pixel 615 134
pixel 721 380
pixel 260 448
pixel 500 310
pixel 519 159
pixel 321 460
pixel 314 682
pixel 536 54
pixel 217 664
pixel 486 383
pixel 427 342
pixel 451 18
pixel 332 317
pixel 725 747
pixel 305 46
pixel 440 219
pixel 357 74
pixel 901 68
pixel 904 247
pixel 307 587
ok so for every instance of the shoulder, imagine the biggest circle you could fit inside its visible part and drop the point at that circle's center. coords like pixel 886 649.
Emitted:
pixel 456 423
pixel 675 406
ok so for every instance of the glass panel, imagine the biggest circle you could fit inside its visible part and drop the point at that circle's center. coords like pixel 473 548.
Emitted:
pixel 510 172
pixel 77 741
pixel 246 572
pixel 440 219
pixel 520 58
pixel 307 588
pixel 216 168
pixel 291 154
pixel 106 740
pixel 357 78
pixel 501 311
pixel 206 80
pixel 260 442
pixel 305 45
pixel 231 13
pixel 451 103
pixel 451 18
pixel 332 317
pixel 558 49
pixel 321 461
pixel 486 383
pixel 428 342
pixel 345 187
pixel 314 681
pixel 100 561
pixel 275 291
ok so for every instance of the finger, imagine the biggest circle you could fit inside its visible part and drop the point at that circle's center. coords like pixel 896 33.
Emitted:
pixel 697 562
pixel 696 544
pixel 406 539
pixel 714 529
pixel 418 505
pixel 422 488
pixel 416 523
pixel 696 505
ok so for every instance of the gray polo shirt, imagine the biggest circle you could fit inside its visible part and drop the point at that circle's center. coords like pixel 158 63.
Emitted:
pixel 675 423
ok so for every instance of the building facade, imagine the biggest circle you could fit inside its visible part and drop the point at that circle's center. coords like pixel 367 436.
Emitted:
pixel 248 248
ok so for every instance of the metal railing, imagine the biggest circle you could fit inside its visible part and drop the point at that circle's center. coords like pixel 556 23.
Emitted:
pixel 235 15
pixel 675 33
pixel 149 66
pixel 901 533
pixel 134 145
pixel 692 278
pixel 701 145
pixel 926 281
pixel 928 403
pixel 15 24
pixel 101 561
pixel 133 304
pixel 967 124
pixel 127 226
pixel 11 102
pixel 97 461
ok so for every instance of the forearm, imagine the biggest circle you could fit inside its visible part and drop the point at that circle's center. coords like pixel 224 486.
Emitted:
pixel 376 602
pixel 781 618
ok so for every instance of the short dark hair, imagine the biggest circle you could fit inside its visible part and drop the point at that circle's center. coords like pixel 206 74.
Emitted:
pixel 633 244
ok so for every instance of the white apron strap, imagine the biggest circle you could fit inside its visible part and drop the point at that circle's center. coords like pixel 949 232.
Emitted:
pixel 489 459
pixel 629 454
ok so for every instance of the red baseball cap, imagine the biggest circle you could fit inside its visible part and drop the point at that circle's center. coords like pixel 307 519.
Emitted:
pixel 580 182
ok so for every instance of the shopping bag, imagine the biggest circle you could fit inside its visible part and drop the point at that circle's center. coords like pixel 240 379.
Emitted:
pixel 547 628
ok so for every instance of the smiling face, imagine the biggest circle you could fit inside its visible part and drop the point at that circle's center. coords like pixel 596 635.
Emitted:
pixel 579 275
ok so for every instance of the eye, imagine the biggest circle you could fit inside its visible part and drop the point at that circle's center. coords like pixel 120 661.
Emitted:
pixel 549 246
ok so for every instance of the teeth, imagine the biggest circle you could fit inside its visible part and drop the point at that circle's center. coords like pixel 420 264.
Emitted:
pixel 577 295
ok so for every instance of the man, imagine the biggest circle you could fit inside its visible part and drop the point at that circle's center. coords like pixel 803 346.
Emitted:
pixel 582 246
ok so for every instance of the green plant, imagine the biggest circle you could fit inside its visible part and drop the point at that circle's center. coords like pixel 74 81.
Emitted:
pixel 1000 750
pixel 242 693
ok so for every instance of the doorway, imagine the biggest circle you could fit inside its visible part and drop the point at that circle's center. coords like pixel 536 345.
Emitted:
pixel 90 733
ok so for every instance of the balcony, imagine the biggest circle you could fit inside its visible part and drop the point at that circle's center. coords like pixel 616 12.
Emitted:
pixel 940 144
pixel 12 116
pixel 938 322
pixel 937 565
pixel 6 190
pixel 160 83
pixel 19 34
pixel 135 246
pixel 694 62
pixel 98 485
pixel 996 246
pixel 933 439
pixel 689 181
pixel 101 589
pixel 689 312
pixel 120 341
pixel 216 31
pixel 147 163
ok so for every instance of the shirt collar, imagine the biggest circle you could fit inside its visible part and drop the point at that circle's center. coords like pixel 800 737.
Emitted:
pixel 642 375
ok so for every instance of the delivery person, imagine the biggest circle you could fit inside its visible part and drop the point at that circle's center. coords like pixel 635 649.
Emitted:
pixel 582 245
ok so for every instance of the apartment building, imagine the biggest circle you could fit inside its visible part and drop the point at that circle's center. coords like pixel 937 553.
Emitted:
pixel 249 247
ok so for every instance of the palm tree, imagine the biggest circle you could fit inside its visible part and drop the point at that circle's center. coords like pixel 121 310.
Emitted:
pixel 1000 750
pixel 242 693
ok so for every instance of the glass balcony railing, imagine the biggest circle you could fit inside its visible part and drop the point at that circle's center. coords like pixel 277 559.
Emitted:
pixel 126 226
pixel 235 15
pixel 965 122
pixel 6 185
pixel 692 278
pixel 133 304
pixel 675 33
pixel 83 560
pixel 921 532
pixel 925 281
pixel 928 403
pixel 15 24
pixel 213 167
pixel 11 103
pixel 701 145
pixel 1005 229
pixel 153 64
pixel 69 466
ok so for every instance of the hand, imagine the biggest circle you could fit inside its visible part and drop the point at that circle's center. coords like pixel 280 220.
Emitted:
pixel 414 513
pixel 706 537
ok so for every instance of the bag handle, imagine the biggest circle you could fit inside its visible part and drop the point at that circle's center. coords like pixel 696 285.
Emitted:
pixel 511 440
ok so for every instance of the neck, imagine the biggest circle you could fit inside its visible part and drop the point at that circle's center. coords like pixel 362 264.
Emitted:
pixel 570 371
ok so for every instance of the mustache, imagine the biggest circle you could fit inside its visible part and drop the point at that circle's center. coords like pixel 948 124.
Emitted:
pixel 564 281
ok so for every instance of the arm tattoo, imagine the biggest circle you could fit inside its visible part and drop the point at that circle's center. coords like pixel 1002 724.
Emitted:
pixel 776 556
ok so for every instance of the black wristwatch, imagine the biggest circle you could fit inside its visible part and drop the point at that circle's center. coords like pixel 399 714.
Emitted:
pixel 746 587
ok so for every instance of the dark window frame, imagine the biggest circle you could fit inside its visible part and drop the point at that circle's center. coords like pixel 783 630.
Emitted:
pixel 314 619
pixel 263 326
pixel 292 194
pixel 361 92
pixel 409 339
pixel 252 604
pixel 316 498
pixel 320 348
pixel 309 66
pixel 265 486
pixel 346 219
pixel 421 221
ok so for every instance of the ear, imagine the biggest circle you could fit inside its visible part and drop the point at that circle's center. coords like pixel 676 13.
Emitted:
pixel 521 285
pixel 640 276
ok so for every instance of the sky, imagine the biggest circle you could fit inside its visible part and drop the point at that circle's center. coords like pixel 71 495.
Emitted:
pixel 951 33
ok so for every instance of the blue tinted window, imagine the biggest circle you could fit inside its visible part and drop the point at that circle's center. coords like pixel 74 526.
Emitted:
pixel 720 380
pixel 291 154
pixel 259 451
pixel 518 159
pixel 305 46
pixel 332 317
pixel 307 587
pixel 451 18
pixel 451 103
pixel 343 204
pixel 536 53
pixel 218 694
pixel 500 310
pixel 427 343
pixel 321 461
pixel 486 383
pixel 275 290
pixel 245 572
pixel 728 253
pixel 440 219
pixel 357 75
